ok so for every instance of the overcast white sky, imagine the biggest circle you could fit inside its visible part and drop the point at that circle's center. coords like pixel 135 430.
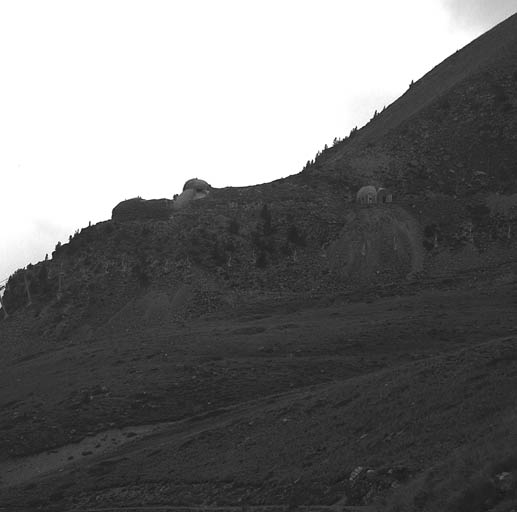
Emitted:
pixel 104 100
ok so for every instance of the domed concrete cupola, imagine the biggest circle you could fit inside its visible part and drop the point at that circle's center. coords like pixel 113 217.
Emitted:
pixel 201 187
pixel 367 195
pixel 192 190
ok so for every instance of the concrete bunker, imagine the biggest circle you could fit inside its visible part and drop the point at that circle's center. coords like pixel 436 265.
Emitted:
pixel 193 190
pixel 367 195
pixel 384 195
pixel 201 187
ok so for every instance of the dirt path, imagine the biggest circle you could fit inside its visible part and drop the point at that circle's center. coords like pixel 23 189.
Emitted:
pixel 131 440
pixel 17 471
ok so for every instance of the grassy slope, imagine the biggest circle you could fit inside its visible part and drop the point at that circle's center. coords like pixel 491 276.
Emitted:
pixel 459 116
pixel 394 383
pixel 482 52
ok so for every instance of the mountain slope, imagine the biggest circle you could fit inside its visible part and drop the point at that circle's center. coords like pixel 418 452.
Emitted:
pixel 462 112
pixel 491 50
pixel 447 148
pixel 280 344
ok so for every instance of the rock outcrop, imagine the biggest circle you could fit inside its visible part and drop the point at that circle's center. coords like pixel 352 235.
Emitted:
pixel 142 209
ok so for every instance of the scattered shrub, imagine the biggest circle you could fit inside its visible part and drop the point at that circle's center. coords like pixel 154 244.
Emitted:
pixel 233 227
pixel 261 261
pixel 444 105
pixel 140 272
pixel 478 497
pixel 430 230
pixel 265 215
pixel 428 245
pixel 499 94
pixel 218 254
pixel 295 237
pixel 57 250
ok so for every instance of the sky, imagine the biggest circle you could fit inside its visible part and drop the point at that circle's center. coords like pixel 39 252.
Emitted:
pixel 105 100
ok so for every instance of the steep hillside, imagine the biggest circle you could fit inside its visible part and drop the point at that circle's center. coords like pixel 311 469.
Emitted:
pixel 281 345
pixel 492 50
pixel 457 121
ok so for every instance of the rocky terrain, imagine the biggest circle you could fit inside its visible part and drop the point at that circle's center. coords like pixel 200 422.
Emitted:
pixel 281 346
